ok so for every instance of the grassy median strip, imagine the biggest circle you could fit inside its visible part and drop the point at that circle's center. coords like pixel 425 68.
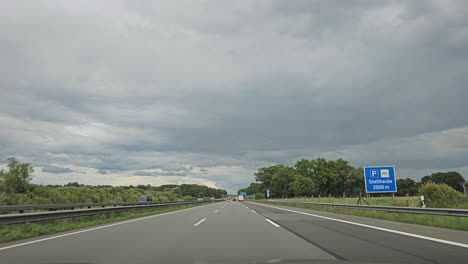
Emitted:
pixel 452 222
pixel 25 230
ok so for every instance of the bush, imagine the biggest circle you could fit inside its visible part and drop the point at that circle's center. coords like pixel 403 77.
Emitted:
pixel 440 195
pixel 259 196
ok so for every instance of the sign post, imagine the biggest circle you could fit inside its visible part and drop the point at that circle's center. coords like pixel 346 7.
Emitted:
pixel 268 194
pixel 380 179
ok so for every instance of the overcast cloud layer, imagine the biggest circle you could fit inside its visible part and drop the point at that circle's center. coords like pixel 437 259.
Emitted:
pixel 154 92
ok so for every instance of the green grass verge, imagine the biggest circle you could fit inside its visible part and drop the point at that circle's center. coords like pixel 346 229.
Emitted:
pixel 388 201
pixel 25 230
pixel 452 222
pixel 412 201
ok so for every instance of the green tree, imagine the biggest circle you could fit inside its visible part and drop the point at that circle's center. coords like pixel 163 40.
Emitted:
pixel 343 173
pixel 265 175
pixel 305 168
pixel 426 179
pixel 302 186
pixel 333 177
pixel 355 182
pixel 74 184
pixel 18 177
pixel 276 179
pixel 451 178
pixel 280 181
pixel 330 177
pixel 406 186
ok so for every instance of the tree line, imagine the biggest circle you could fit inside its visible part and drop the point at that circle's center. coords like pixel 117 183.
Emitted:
pixel 332 178
pixel 16 188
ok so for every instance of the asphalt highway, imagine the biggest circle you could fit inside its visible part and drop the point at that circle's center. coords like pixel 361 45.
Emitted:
pixel 235 232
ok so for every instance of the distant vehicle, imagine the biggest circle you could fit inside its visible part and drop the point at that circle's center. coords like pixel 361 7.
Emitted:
pixel 241 198
pixel 145 198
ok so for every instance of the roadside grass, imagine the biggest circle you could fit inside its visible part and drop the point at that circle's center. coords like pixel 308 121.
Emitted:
pixel 412 201
pixel 26 230
pixel 452 222
pixel 388 201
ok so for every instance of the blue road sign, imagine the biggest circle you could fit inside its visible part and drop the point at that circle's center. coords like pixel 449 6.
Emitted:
pixel 380 179
pixel 243 193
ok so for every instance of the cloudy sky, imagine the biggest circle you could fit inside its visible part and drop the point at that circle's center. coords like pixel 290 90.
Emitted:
pixel 156 92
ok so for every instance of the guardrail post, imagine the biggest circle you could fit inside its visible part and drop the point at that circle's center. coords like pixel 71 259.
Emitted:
pixel 21 211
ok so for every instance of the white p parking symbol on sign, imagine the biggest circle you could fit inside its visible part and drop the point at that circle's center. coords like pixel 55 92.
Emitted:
pixel 374 174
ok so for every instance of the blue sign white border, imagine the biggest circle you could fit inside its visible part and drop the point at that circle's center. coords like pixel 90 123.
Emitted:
pixel 365 179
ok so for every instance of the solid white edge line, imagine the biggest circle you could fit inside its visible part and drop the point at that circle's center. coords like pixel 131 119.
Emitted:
pixel 374 227
pixel 271 222
pixel 96 228
pixel 216 211
pixel 253 211
pixel 199 222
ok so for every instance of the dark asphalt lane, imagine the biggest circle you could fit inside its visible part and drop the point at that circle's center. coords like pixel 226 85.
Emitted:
pixel 360 244
pixel 229 232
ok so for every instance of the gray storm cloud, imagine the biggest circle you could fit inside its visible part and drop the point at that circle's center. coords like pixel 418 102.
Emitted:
pixel 55 169
pixel 131 86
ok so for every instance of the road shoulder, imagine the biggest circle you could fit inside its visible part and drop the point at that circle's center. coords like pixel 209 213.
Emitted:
pixel 422 230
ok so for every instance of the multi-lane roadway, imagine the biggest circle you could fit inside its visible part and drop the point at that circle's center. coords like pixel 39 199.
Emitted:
pixel 235 232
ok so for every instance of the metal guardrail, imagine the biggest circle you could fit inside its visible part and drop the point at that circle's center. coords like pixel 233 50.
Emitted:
pixel 395 209
pixel 44 216
pixel 70 206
